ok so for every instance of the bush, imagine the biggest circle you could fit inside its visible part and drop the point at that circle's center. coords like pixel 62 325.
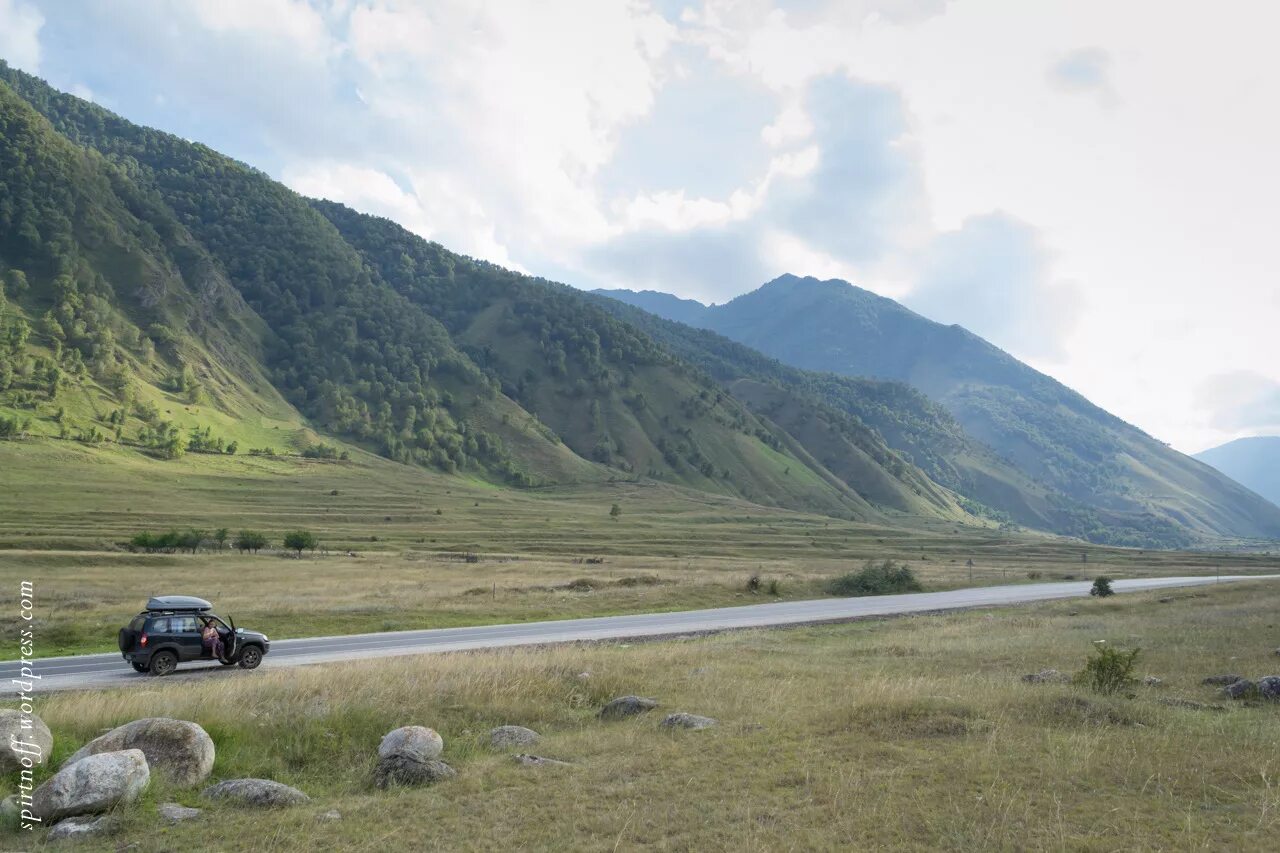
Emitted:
pixel 1107 669
pixel 300 540
pixel 884 578
pixel 1102 587
pixel 753 584
pixel 250 540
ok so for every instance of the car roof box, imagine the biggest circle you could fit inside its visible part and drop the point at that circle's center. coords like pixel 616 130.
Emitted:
pixel 177 602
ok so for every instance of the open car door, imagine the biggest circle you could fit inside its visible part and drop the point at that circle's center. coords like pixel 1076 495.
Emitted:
pixel 229 649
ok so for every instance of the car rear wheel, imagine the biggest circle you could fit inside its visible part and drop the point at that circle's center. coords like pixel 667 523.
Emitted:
pixel 139 667
pixel 250 657
pixel 163 663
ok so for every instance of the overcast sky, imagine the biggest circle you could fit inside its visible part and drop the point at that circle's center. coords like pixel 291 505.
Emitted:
pixel 1089 185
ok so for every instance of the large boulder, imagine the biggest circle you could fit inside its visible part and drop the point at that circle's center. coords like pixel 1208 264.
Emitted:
pixel 1269 688
pixel 417 742
pixel 685 720
pixel 92 785
pixel 82 827
pixel 22 736
pixel 1241 689
pixel 255 793
pixel 178 750
pixel 509 737
pixel 404 769
pixel 627 706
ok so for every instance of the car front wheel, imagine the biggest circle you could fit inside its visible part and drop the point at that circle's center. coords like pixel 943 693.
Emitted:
pixel 163 663
pixel 250 657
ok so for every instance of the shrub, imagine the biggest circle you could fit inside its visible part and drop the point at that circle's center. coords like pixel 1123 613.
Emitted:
pixel 1102 587
pixel 884 578
pixel 250 540
pixel 1107 669
pixel 300 540
pixel 774 588
pixel 753 584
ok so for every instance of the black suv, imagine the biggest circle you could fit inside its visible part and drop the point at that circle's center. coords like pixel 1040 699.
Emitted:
pixel 169 632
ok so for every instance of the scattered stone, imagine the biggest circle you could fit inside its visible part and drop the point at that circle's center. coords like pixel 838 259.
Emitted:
pixel 583 676
pixel 1241 689
pixel 506 737
pixel 1189 704
pixel 331 814
pixel 1164 600
pixel 176 812
pixel 627 706
pixel 9 809
pixel 1278 652
pixel 38 740
pixel 404 769
pixel 256 793
pixel 179 750
pixel 417 742
pixel 685 720
pixel 81 827
pixel 1046 676
pixel 1221 680
pixel 92 785
pixel 1269 688
pixel 1152 681
pixel 539 761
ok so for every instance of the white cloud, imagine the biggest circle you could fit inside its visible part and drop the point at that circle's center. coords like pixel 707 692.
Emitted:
pixel 1086 69
pixel 20 34
pixel 1241 402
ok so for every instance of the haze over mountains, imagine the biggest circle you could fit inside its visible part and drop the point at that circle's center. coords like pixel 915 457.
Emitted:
pixel 1253 462
pixel 163 297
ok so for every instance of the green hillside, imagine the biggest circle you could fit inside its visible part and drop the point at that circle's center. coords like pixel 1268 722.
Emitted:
pixel 238 315
pixel 1019 441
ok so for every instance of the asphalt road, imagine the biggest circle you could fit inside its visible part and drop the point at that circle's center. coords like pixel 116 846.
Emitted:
pixel 110 670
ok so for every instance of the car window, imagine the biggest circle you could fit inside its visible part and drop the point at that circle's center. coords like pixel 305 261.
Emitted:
pixel 137 623
pixel 160 626
pixel 184 625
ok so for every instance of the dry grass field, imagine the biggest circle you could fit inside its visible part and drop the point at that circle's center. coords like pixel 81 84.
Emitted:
pixel 910 733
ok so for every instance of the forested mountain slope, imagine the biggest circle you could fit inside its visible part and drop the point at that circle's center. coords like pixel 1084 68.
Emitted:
pixel 353 327
pixel 1117 484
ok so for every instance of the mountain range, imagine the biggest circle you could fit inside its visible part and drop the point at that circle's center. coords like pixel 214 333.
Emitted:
pixel 1021 443
pixel 165 299
pixel 1253 462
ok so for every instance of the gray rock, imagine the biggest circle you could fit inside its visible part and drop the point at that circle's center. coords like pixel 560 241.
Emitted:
pixel 81 827
pixel 1046 676
pixel 409 770
pixel 1278 652
pixel 176 812
pixel 1269 688
pixel 331 814
pixel 1221 680
pixel 1242 689
pixel 627 706
pixel 1152 681
pixel 685 720
pixel 180 751
pixel 506 737
pixel 1189 704
pixel 9 809
pixel 92 785
pixel 256 793
pixel 539 761
pixel 418 742
pixel 38 740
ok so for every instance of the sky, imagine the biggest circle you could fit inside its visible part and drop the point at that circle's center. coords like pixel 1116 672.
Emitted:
pixel 1089 185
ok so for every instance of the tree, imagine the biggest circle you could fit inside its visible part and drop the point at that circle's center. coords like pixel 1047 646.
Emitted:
pixel 250 540
pixel 1102 587
pixel 300 540
pixel 220 536
pixel 615 511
